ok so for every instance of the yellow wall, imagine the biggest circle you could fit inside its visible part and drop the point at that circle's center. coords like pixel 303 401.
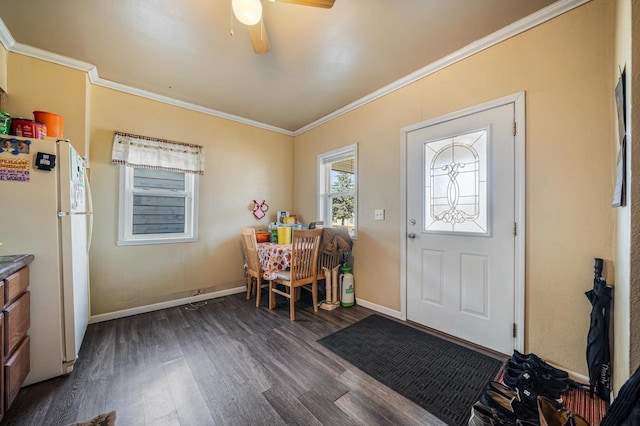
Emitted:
pixel 3 68
pixel 242 163
pixel 44 86
pixel 87 120
pixel 564 66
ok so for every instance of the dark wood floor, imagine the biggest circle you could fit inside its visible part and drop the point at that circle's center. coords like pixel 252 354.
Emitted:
pixel 226 363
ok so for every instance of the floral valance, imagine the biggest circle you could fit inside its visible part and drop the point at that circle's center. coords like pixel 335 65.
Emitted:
pixel 160 154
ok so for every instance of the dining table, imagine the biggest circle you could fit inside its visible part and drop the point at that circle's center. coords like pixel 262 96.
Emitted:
pixel 274 258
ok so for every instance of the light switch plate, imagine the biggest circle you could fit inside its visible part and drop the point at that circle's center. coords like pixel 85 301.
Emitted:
pixel 378 214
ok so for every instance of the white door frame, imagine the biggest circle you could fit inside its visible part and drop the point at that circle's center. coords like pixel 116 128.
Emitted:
pixel 518 99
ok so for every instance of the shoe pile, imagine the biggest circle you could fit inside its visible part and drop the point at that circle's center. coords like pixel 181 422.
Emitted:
pixel 530 395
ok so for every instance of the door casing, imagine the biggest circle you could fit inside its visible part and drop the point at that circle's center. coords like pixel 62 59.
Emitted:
pixel 518 100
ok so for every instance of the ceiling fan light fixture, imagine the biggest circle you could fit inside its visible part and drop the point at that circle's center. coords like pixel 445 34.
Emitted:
pixel 249 12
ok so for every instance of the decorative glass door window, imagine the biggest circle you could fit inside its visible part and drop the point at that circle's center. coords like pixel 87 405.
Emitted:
pixel 456 184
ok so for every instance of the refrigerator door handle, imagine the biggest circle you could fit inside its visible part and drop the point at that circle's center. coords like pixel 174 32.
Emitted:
pixel 90 210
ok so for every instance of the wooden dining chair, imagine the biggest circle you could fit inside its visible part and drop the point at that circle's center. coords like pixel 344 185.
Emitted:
pixel 254 271
pixel 303 271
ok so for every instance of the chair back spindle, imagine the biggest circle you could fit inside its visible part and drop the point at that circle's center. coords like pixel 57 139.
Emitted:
pixel 305 245
pixel 254 271
pixel 304 255
pixel 251 250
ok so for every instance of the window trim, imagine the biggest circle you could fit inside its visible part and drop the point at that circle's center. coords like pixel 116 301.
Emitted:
pixel 125 212
pixel 324 183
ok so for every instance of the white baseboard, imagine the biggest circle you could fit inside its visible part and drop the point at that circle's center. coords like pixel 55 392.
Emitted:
pixel 378 308
pixel 163 305
pixel 580 378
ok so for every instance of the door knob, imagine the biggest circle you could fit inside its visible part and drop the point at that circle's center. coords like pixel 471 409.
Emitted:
pixel 411 235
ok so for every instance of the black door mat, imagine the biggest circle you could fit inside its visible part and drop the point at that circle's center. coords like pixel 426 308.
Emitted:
pixel 442 377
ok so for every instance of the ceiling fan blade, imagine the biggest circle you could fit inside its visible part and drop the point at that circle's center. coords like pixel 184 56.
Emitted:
pixel 259 38
pixel 326 4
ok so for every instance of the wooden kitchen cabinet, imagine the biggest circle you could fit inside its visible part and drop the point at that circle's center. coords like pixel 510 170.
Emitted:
pixel 15 285
pixel 16 368
pixel 16 320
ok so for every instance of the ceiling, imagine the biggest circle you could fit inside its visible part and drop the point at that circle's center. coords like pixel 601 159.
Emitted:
pixel 320 59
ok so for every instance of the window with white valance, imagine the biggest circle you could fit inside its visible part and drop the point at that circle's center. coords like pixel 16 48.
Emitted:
pixel 158 154
pixel 158 189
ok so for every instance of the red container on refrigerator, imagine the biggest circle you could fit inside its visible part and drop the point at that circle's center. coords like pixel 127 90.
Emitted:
pixel 28 128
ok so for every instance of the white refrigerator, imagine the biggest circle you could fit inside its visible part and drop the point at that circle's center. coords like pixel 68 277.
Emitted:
pixel 48 214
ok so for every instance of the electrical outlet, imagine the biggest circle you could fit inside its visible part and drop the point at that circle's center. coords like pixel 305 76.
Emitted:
pixel 378 214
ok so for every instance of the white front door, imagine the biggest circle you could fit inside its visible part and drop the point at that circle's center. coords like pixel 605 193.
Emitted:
pixel 460 247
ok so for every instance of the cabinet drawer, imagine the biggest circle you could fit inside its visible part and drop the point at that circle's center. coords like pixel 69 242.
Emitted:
pixel 16 369
pixel 16 322
pixel 15 285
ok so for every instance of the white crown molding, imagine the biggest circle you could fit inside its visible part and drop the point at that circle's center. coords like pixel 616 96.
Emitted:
pixel 505 33
pixel 93 75
pixel 186 105
pixel 492 39
pixel 6 38
pixel 44 55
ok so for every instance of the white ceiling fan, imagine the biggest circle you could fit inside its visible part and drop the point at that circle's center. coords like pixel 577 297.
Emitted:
pixel 249 12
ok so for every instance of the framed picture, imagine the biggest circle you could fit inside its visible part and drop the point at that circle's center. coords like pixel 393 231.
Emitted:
pixel 280 215
pixel 620 189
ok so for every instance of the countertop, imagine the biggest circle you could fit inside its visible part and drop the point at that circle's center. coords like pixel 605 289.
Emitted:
pixel 13 263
